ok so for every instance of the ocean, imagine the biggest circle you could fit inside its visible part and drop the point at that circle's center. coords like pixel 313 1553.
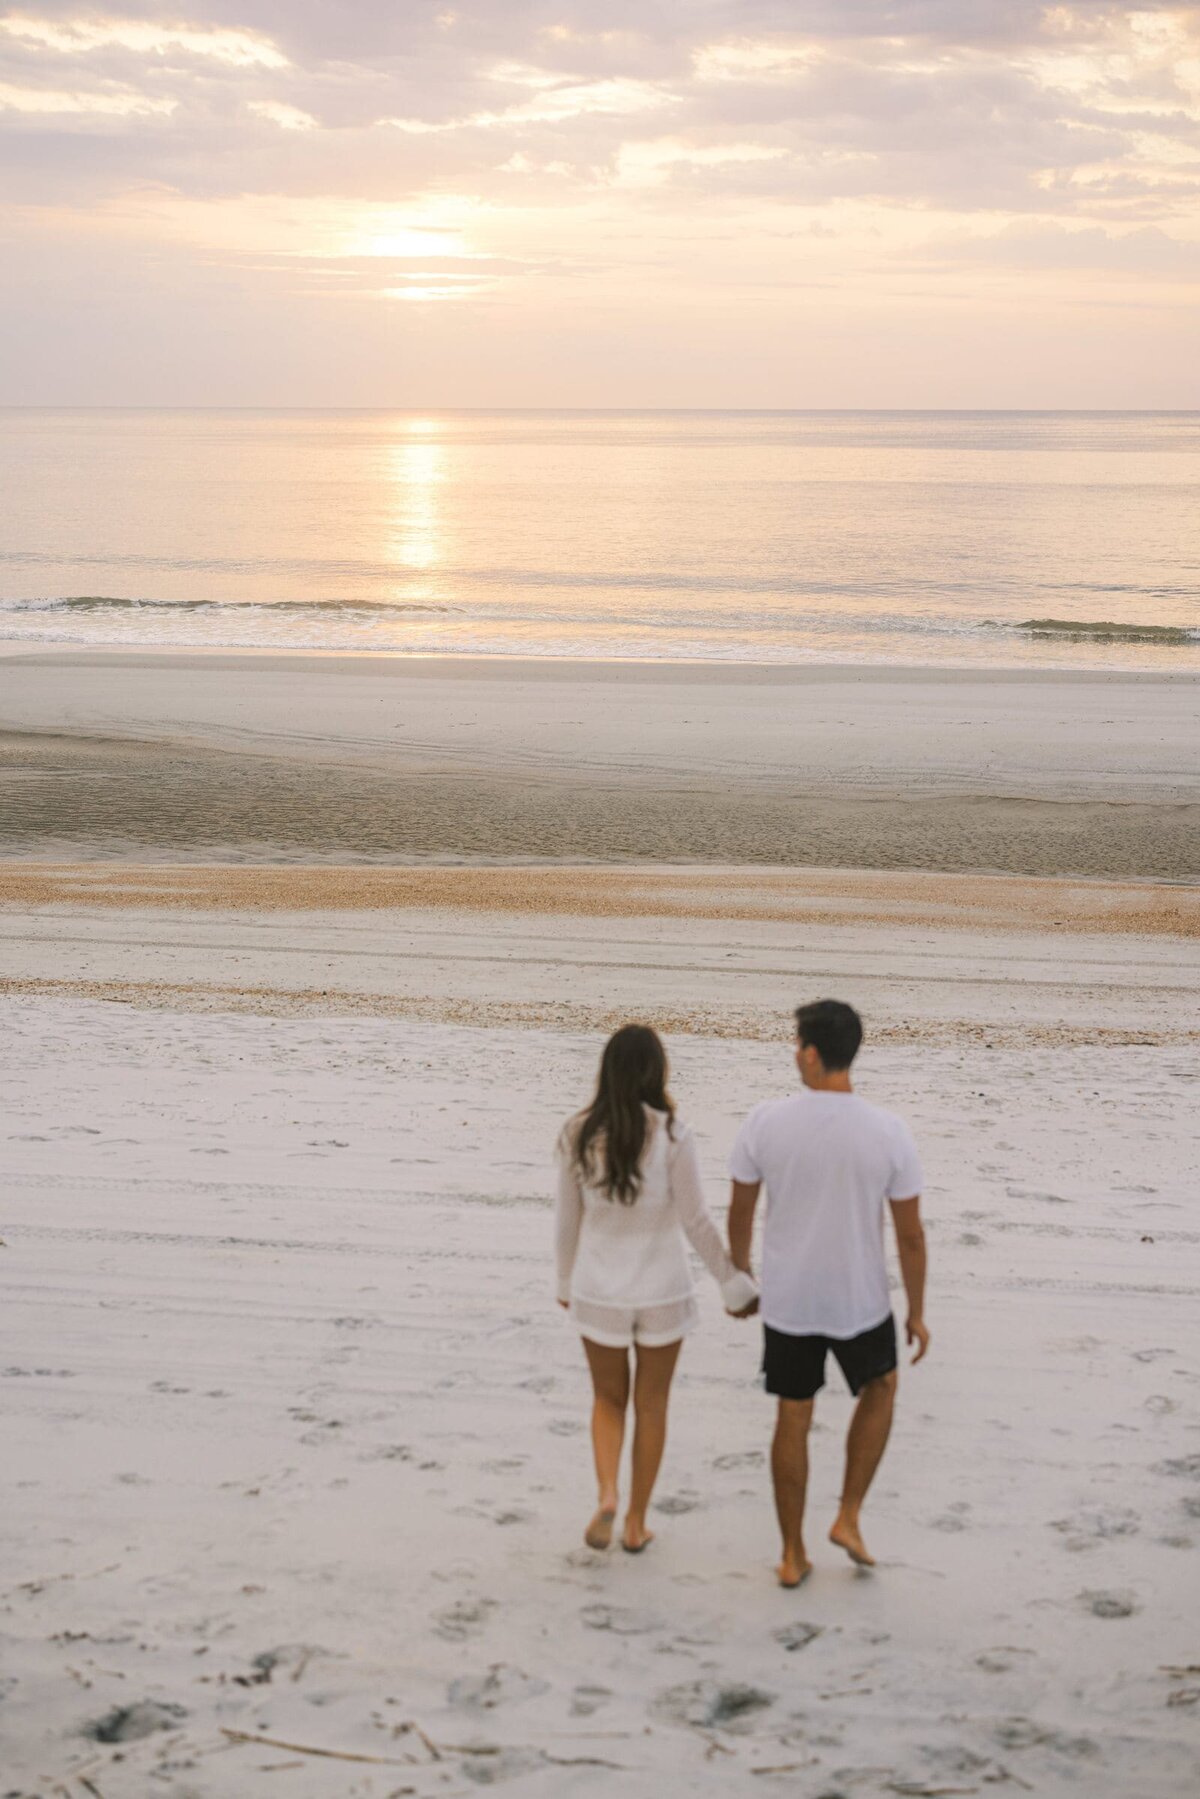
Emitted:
pixel 963 538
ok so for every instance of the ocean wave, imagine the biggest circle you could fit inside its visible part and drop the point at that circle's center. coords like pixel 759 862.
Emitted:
pixel 812 620
pixel 1106 630
pixel 102 602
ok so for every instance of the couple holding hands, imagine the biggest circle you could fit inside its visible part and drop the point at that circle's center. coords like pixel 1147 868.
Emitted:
pixel 630 1198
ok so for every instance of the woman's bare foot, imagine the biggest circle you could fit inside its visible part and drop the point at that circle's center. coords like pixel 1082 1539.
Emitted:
pixel 847 1536
pixel 635 1536
pixel 794 1569
pixel 598 1534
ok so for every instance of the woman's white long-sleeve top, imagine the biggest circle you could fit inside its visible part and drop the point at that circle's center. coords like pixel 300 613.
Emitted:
pixel 623 1269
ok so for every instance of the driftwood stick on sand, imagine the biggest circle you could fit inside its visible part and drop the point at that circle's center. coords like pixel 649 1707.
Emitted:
pixel 427 1742
pixel 337 1755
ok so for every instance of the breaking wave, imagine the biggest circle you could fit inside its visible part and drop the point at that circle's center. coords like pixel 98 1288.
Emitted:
pixel 1106 630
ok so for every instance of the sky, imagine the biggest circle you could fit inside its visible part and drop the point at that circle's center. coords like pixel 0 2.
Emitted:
pixel 600 203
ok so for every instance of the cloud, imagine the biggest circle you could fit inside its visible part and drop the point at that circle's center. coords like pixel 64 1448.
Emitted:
pixel 48 102
pixel 1142 253
pixel 681 153
pixel 242 49
pixel 278 112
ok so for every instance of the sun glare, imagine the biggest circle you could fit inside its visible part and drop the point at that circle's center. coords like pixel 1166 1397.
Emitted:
pixel 411 243
pixel 416 472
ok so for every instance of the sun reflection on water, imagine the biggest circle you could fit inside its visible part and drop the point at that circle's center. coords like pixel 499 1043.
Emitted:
pixel 415 470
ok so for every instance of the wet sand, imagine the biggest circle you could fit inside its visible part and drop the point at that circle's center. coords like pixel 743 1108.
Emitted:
pixel 341 759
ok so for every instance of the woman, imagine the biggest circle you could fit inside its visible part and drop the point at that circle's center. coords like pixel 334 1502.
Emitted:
pixel 628 1193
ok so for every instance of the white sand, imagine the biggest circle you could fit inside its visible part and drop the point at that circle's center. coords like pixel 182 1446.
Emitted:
pixel 257 1405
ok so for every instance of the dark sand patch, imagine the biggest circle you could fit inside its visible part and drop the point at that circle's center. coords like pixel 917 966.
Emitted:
pixel 90 798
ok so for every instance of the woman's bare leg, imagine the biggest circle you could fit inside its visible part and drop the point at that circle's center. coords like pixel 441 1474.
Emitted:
pixel 651 1391
pixel 610 1389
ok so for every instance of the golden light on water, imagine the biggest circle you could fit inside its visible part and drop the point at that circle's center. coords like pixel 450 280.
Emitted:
pixel 415 473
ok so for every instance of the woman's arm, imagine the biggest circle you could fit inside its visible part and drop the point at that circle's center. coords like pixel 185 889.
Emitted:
pixel 738 1290
pixel 568 1217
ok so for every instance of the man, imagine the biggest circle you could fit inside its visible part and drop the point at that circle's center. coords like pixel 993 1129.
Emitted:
pixel 829 1160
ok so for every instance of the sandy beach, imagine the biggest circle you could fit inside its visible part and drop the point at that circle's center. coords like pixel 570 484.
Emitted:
pixel 533 537
pixel 176 756
pixel 298 1454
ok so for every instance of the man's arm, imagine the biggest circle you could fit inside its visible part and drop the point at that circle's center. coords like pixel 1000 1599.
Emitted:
pixel 910 1241
pixel 743 1199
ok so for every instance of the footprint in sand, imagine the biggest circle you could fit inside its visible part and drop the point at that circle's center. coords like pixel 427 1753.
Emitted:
pixel 586 1701
pixel 491 1767
pixel 1180 1467
pixel 465 1618
pixel 1050 1199
pixel 292 1658
pixel 746 1458
pixel 1109 1605
pixel 1091 1526
pixel 797 1636
pixel 501 1685
pixel 1023 1733
pixel 620 1619
pixel 1002 1660
pixel 953 1519
pixel 129 1723
pixel 712 1705
pixel 674 1505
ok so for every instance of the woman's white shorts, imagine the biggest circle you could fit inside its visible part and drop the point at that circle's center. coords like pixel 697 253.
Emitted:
pixel 619 1327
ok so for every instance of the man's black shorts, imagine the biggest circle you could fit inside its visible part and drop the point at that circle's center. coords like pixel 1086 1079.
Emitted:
pixel 795 1366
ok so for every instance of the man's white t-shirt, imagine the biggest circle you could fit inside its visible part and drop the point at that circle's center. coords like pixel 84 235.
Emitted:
pixel 829 1161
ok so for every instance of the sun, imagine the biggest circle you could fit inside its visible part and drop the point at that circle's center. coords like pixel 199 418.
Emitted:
pixel 412 241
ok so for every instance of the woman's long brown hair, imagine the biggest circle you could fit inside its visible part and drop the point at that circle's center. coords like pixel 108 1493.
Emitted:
pixel 608 1140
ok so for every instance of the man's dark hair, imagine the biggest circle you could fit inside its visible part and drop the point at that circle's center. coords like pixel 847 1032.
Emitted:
pixel 832 1028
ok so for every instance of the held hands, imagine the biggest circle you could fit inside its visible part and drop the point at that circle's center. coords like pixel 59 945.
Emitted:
pixel 916 1331
pixel 746 1311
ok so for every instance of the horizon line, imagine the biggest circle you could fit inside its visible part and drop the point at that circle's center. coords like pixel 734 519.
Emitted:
pixel 642 411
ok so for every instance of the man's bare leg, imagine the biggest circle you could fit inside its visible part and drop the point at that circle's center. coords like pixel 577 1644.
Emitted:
pixel 610 1390
pixel 865 1445
pixel 651 1391
pixel 789 1472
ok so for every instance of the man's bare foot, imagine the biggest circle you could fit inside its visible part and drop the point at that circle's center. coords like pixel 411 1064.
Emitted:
pixel 635 1536
pixel 598 1534
pixel 793 1570
pixel 847 1536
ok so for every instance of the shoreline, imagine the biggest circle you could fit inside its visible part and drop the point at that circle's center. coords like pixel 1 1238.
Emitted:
pixel 341 759
pixel 477 664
